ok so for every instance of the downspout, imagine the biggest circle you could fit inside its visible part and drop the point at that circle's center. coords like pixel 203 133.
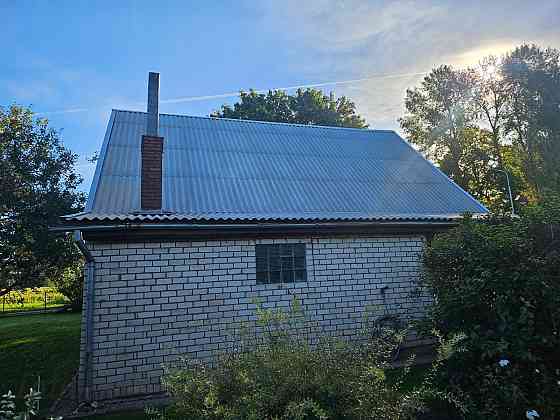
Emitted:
pixel 87 360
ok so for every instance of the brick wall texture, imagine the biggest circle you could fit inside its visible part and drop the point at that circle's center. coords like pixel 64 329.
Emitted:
pixel 155 301
pixel 150 191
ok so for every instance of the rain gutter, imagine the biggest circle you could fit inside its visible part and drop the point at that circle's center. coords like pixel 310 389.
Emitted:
pixel 245 226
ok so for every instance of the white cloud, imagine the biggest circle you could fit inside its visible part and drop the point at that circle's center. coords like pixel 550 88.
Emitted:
pixel 346 24
pixel 351 39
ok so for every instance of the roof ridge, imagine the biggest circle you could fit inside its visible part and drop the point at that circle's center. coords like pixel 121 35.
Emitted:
pixel 315 126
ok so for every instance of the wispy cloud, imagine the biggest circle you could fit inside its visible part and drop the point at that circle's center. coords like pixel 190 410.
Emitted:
pixel 183 99
pixel 354 37
pixel 62 111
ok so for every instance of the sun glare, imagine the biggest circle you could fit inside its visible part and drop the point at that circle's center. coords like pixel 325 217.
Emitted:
pixel 489 72
pixel 473 56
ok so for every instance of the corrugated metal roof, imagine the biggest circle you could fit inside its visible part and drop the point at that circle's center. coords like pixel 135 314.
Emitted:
pixel 221 169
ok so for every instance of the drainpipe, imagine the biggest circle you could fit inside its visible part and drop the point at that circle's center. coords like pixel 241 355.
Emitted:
pixel 87 360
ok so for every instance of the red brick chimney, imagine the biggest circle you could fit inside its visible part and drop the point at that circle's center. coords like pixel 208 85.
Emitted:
pixel 152 152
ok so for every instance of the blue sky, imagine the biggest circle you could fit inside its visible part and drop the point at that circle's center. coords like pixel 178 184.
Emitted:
pixel 74 61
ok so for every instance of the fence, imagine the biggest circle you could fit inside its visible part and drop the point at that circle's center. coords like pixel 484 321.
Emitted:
pixel 40 298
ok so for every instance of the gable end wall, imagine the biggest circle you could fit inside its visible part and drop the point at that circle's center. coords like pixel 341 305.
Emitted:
pixel 155 301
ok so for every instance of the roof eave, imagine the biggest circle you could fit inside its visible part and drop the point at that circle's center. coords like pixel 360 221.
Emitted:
pixel 171 232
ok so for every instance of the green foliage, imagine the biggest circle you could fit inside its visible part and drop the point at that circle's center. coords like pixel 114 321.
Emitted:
pixel 309 106
pixel 497 282
pixel 287 368
pixel 441 120
pixel 38 183
pixel 31 401
pixel 31 299
pixel 531 79
pixel 504 114
pixel 71 284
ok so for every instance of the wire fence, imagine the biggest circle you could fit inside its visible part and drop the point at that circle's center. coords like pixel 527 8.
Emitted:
pixel 40 298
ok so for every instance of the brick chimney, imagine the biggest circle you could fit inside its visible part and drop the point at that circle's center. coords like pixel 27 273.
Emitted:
pixel 152 151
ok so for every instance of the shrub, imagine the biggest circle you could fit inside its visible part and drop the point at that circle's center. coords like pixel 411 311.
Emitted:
pixel 286 368
pixel 71 284
pixel 31 299
pixel 498 282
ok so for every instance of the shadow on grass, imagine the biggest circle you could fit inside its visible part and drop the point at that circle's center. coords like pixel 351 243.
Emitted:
pixel 45 345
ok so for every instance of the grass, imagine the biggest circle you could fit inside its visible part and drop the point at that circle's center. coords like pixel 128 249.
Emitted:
pixel 47 345
pixel 44 345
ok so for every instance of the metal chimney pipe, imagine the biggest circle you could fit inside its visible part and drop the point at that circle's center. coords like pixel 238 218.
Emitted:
pixel 153 104
pixel 151 172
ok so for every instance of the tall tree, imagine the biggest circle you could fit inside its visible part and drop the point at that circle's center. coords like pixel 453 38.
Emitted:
pixel 309 106
pixel 490 96
pixel 532 83
pixel 502 116
pixel 38 184
pixel 441 120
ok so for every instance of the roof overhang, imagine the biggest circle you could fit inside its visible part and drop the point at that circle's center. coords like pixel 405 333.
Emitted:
pixel 177 231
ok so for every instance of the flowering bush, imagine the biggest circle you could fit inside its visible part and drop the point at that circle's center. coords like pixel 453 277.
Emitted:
pixel 498 281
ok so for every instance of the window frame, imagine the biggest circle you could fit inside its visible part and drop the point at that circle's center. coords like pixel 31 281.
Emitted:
pixel 274 270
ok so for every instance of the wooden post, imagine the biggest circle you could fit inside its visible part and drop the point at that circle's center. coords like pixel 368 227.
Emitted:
pixel 45 300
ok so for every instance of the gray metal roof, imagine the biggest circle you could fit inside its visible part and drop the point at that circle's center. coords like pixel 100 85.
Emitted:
pixel 221 169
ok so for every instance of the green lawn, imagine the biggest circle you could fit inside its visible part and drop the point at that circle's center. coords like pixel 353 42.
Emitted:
pixel 45 345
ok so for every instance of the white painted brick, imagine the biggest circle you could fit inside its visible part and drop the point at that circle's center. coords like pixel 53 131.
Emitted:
pixel 155 300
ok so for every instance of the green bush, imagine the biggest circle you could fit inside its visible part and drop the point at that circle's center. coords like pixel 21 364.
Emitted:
pixel 31 299
pixel 286 368
pixel 71 284
pixel 498 282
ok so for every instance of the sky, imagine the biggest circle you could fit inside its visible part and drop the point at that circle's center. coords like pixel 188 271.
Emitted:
pixel 74 61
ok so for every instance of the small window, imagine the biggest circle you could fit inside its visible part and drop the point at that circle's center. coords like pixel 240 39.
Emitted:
pixel 280 263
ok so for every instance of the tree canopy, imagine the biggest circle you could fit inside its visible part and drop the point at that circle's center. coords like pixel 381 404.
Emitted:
pixel 531 79
pixel 307 106
pixel 503 115
pixel 38 184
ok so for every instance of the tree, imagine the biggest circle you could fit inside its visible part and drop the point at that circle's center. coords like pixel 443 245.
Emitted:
pixel 490 96
pixel 38 184
pixel 502 115
pixel 441 120
pixel 309 106
pixel 532 84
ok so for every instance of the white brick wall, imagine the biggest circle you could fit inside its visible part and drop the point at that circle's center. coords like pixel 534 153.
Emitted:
pixel 154 301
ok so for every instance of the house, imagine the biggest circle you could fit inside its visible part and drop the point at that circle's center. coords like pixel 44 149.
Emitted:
pixel 189 219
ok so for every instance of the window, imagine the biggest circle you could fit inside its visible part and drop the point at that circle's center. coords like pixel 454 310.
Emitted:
pixel 280 263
